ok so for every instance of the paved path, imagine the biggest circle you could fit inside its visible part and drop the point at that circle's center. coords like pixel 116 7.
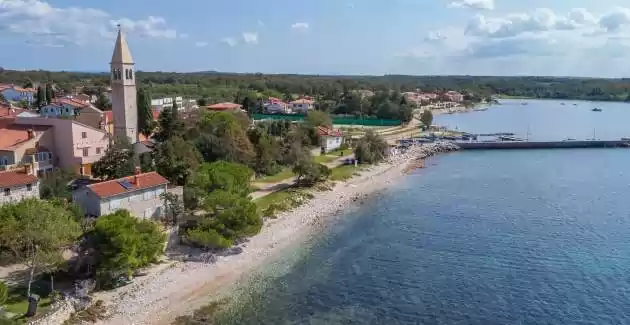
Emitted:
pixel 268 188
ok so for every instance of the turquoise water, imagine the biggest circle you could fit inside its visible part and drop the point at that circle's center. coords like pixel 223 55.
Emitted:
pixel 483 237
pixel 546 120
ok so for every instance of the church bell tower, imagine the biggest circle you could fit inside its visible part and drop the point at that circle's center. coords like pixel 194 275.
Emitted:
pixel 123 83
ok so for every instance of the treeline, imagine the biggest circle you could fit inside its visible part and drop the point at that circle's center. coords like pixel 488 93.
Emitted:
pixel 225 86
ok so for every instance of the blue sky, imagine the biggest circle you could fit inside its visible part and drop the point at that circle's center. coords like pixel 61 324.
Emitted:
pixel 436 37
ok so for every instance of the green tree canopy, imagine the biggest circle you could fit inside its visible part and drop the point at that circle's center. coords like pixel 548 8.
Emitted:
pixel 119 160
pixel 371 148
pixel 426 118
pixel 317 118
pixel 169 125
pixel 220 136
pixel 146 124
pixel 122 243
pixel 176 159
pixel 56 185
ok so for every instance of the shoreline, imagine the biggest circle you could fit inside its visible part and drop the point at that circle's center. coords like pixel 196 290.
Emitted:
pixel 179 288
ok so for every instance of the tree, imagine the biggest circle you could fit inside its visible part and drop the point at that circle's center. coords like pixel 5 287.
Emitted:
pixel 176 159
pixel 174 207
pixel 50 93
pixel 426 118
pixel 35 232
pixel 119 160
pixel 146 124
pixel 169 125
pixel 56 185
pixel 201 102
pixel 309 173
pixel 371 148
pixel 222 136
pixel 28 84
pixel 267 150
pixel 317 118
pixel 122 243
pixel 3 99
pixel 4 293
pixel 40 99
pixel 103 103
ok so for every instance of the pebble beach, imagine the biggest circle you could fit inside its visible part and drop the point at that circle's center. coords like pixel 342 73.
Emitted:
pixel 175 288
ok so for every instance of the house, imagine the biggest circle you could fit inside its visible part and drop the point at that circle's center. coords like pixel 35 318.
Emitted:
pixel 17 185
pixel 276 106
pixel 454 96
pixel 26 145
pixel 76 145
pixel 331 139
pixel 167 102
pixel 140 194
pixel 17 94
pixel 225 107
pixel 73 108
pixel 302 105
pixel 9 111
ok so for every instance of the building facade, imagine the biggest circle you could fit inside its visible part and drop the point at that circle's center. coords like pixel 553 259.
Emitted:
pixel 302 105
pixel 76 145
pixel 22 145
pixel 140 194
pixel 17 94
pixel 123 81
pixel 331 139
pixel 18 185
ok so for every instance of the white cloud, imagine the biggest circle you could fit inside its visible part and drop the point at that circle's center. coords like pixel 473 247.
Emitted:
pixel 201 44
pixel 250 38
pixel 614 21
pixel 41 23
pixel 230 41
pixel 300 26
pixel 473 4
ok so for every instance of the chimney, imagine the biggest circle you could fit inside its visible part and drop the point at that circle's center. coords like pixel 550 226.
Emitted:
pixel 31 133
pixel 137 172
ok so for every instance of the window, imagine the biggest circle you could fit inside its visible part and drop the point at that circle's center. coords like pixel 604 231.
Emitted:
pixel 4 161
pixel 159 192
pixel 114 205
pixel 7 191
pixel 98 151
pixel 29 187
pixel 130 74
pixel 83 135
pixel 147 213
pixel 148 195
pixel 86 152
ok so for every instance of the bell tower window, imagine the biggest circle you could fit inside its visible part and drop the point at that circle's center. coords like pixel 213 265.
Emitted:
pixel 130 74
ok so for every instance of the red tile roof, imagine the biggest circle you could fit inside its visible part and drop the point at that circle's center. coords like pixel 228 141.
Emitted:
pixel 302 101
pixel 223 106
pixel 14 134
pixel 14 178
pixel 71 102
pixel 113 187
pixel 324 131
pixel 7 111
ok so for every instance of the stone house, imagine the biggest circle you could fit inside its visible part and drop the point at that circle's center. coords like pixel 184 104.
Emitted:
pixel 17 185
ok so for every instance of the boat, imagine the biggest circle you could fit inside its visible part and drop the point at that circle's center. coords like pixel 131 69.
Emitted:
pixel 480 109
pixel 524 103
pixel 569 139
pixel 563 104
pixel 596 109
pixel 574 104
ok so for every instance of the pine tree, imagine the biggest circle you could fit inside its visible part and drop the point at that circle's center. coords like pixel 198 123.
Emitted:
pixel 146 125
pixel 40 100
pixel 50 93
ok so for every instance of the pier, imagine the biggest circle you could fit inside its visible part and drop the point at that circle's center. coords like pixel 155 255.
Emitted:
pixel 569 144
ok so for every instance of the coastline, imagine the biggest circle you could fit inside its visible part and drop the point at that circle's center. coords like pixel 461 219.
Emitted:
pixel 181 287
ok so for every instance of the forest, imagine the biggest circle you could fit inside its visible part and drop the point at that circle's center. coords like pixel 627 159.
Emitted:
pixel 226 86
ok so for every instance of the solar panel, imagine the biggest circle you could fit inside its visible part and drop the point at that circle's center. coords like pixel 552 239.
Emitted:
pixel 125 183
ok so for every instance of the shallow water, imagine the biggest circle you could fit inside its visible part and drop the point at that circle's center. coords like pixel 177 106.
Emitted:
pixel 483 237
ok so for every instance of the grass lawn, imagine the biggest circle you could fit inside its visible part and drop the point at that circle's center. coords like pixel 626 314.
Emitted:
pixel 17 302
pixel 344 172
pixel 324 159
pixel 284 174
pixel 264 202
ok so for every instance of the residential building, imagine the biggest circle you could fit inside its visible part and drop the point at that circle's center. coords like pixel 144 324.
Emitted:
pixel 454 96
pixel 123 80
pixel 140 194
pixel 75 109
pixel 76 145
pixel 225 107
pixel 31 145
pixel 167 102
pixel 17 185
pixel 9 111
pixel 276 106
pixel 302 105
pixel 17 94
pixel 331 138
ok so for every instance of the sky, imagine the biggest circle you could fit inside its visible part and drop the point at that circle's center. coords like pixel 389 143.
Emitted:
pixel 359 37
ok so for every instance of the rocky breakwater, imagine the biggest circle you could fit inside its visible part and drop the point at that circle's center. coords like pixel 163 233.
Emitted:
pixel 419 153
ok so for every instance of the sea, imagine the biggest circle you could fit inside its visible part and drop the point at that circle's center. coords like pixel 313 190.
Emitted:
pixel 480 237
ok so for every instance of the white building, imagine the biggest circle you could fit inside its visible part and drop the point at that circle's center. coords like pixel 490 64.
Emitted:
pixel 17 185
pixel 331 139
pixel 123 80
pixel 140 194
pixel 302 105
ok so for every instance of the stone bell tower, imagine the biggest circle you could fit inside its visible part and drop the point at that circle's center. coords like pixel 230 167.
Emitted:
pixel 123 83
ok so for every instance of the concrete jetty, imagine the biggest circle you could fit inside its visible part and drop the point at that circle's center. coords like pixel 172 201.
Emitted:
pixel 569 144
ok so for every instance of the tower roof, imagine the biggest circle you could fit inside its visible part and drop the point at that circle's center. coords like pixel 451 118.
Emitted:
pixel 121 50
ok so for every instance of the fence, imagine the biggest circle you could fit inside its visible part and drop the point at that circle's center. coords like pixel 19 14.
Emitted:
pixel 335 120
